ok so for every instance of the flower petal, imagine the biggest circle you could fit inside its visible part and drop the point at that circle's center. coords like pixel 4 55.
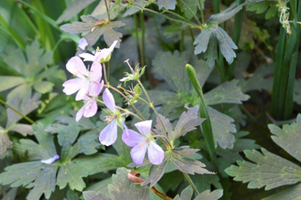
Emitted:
pixel 144 127
pixel 105 53
pixel 72 85
pixel 95 89
pixel 90 109
pixel 80 113
pixel 83 90
pixel 138 153
pixel 87 56
pixel 82 44
pixel 76 66
pixel 155 153
pixel 96 72
pixel 109 134
pixel 109 99
pixel 132 138
pixel 50 160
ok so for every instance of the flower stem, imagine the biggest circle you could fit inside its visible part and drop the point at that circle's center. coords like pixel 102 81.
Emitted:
pixel 191 183
pixel 15 110
pixel 108 12
pixel 134 107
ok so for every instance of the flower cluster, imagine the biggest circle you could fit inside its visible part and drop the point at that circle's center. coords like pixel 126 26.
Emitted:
pixel 88 84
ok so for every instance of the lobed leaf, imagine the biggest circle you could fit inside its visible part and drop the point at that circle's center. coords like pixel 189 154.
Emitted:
pixel 95 29
pixel 5 142
pixel 173 72
pixel 222 127
pixel 122 187
pixel 227 92
pixel 261 6
pixel 207 195
pixel 266 169
pixel 167 4
pixel 292 193
pixel 92 195
pixel 186 194
pixel 287 137
pixel 73 9
pixel 188 165
pixel 188 121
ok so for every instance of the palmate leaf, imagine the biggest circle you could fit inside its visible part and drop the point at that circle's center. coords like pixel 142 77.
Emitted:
pixel 173 103
pixel 73 9
pixel 186 194
pixel 135 7
pixel 227 92
pixel 35 174
pixel 29 67
pixel 167 4
pixel 189 7
pixel 266 169
pixel 292 193
pixel 287 137
pixel 261 6
pixel 206 41
pixel 260 79
pixel 94 28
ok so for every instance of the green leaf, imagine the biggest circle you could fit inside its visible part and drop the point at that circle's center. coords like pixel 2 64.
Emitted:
pixel 188 165
pixel 261 6
pixel 94 29
pixel 206 42
pixel 133 8
pixel 173 72
pixel 167 4
pixel 186 194
pixel 187 122
pixel 73 9
pixel 43 86
pixel 266 169
pixel 5 142
pixel 207 195
pixel 25 106
pixel 66 137
pixel 287 136
pixel 72 173
pixel 297 92
pixel 45 148
pixel 91 195
pixel 222 127
pixel 122 187
pixel 189 8
pixel 292 193
pixel 8 82
pixel 34 175
pixel 29 66
pixel 228 92
pixel 156 172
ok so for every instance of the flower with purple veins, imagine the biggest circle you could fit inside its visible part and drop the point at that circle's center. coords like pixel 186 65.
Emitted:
pixel 101 56
pixel 89 109
pixel 142 142
pixel 109 134
pixel 84 77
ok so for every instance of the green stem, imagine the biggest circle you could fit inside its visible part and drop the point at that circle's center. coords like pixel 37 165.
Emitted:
pixel 192 184
pixel 16 111
pixel 202 12
pixel 206 125
pixel 192 25
pixel 142 27
pixel 108 12
pixel 221 66
pixel 194 16
pixel 236 34
pixel 216 6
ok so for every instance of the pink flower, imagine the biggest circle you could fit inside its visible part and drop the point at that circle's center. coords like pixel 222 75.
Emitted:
pixel 109 134
pixel 142 142
pixel 89 109
pixel 82 44
pixel 84 77
pixel 103 56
